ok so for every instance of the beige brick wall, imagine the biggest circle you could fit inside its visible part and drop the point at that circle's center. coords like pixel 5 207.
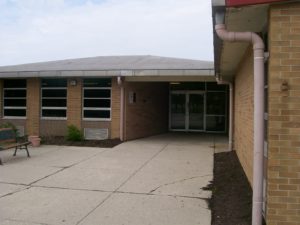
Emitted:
pixel 283 186
pixel 33 106
pixel 115 109
pixel 74 103
pixel 243 113
pixel 53 127
pixel 149 115
pixel 1 98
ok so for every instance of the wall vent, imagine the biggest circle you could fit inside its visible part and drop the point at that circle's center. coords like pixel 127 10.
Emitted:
pixel 95 134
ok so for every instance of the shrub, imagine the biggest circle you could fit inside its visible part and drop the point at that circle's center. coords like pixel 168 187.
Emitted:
pixel 12 126
pixel 74 134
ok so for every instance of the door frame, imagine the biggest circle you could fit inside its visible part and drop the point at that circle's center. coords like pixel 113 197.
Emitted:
pixel 187 114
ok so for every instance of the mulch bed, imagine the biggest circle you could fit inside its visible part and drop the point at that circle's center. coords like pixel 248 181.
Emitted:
pixel 231 202
pixel 58 140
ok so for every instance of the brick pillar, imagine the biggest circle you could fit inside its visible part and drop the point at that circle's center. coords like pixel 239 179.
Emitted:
pixel 74 102
pixel 283 184
pixel 115 109
pixel 33 106
pixel 1 98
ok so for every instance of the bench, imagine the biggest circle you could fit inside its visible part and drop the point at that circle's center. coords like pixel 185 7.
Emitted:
pixel 8 140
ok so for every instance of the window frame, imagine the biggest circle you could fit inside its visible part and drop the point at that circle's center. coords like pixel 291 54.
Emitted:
pixel 14 107
pixel 96 98
pixel 53 107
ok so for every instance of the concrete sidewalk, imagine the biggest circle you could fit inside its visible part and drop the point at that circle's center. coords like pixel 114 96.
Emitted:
pixel 156 180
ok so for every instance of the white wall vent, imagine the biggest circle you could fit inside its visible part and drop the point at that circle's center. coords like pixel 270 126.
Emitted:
pixel 95 134
pixel 21 131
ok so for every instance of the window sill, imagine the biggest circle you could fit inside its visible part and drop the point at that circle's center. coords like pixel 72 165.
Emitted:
pixel 53 118
pixel 14 118
pixel 97 120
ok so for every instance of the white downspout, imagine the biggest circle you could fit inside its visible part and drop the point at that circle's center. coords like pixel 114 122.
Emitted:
pixel 230 138
pixel 121 84
pixel 258 157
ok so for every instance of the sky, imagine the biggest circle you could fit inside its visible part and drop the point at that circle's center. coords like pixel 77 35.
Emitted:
pixel 46 30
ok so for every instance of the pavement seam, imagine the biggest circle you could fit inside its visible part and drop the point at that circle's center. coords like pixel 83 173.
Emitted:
pixel 22 221
pixel 178 181
pixel 116 190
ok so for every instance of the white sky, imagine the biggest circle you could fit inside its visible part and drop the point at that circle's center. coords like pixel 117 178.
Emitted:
pixel 44 30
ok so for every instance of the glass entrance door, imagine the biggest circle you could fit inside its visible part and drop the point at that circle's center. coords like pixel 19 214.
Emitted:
pixel 187 111
pixel 196 112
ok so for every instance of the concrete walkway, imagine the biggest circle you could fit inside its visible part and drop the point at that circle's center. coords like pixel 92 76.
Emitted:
pixel 156 180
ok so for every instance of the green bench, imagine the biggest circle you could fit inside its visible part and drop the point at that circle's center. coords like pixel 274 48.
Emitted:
pixel 8 140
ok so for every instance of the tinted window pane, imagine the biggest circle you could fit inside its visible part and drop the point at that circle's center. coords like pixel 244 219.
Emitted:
pixel 14 112
pixel 54 83
pixel 92 82
pixel 54 102
pixel 215 123
pixel 96 114
pixel 53 113
pixel 55 93
pixel 94 93
pixel 213 86
pixel 97 103
pixel 15 83
pixel 188 86
pixel 15 102
pixel 216 103
pixel 14 93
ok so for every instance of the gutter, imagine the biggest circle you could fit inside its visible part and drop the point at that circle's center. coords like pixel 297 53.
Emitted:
pixel 122 107
pixel 258 49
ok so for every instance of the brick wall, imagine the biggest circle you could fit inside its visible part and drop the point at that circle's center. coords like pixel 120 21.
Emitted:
pixel 74 103
pixel 243 113
pixel 33 106
pixel 115 109
pixel 1 98
pixel 53 127
pixel 149 114
pixel 283 186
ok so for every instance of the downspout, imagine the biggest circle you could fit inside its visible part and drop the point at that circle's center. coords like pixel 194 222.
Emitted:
pixel 121 84
pixel 230 138
pixel 258 49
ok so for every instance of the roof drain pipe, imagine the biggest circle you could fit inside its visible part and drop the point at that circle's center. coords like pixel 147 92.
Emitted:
pixel 258 48
pixel 121 84
pixel 230 138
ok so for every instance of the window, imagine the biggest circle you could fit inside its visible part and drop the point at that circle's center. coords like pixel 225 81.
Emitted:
pixel 54 98
pixel 14 98
pixel 97 99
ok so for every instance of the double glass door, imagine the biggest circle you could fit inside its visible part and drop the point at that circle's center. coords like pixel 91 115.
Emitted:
pixel 187 111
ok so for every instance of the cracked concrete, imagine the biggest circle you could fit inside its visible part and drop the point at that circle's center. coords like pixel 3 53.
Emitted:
pixel 156 180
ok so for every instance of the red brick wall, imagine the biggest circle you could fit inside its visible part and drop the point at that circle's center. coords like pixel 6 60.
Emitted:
pixel 33 106
pixel 149 115
pixel 74 103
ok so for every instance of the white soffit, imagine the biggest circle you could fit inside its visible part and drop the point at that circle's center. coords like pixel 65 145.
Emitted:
pixel 250 18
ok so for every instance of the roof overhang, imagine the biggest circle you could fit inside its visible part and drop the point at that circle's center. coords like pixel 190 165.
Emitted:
pixel 132 75
pixel 246 15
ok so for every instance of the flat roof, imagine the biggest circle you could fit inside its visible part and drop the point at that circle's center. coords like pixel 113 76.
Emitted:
pixel 142 65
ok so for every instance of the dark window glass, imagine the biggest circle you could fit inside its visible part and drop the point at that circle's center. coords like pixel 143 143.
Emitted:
pixel 54 113
pixel 188 86
pixel 216 103
pixel 15 93
pixel 96 82
pixel 15 102
pixel 213 86
pixel 96 114
pixel 215 123
pixel 59 93
pixel 54 102
pixel 96 93
pixel 15 112
pixel 97 103
pixel 15 83
pixel 54 83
